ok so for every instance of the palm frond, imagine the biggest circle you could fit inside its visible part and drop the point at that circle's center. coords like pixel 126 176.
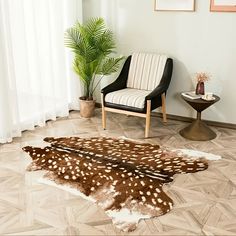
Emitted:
pixel 109 66
pixel 72 38
pixel 92 43
pixel 106 43
pixel 95 27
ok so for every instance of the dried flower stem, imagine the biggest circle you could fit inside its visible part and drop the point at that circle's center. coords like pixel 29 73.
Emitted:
pixel 202 77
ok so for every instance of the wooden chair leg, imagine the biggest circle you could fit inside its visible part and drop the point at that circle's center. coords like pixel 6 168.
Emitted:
pixel 148 117
pixel 163 100
pixel 103 113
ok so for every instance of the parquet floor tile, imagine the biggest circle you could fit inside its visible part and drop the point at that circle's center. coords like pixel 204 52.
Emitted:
pixel 205 202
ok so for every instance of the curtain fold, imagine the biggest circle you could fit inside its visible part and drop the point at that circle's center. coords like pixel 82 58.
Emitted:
pixel 36 78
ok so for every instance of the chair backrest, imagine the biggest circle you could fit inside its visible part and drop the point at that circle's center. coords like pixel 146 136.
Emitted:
pixel 146 70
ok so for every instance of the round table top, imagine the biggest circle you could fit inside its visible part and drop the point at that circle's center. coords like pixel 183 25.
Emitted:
pixel 200 104
pixel 200 100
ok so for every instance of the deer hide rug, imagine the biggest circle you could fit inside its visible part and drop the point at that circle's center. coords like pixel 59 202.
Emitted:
pixel 123 177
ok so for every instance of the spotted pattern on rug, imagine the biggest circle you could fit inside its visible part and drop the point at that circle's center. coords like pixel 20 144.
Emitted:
pixel 116 173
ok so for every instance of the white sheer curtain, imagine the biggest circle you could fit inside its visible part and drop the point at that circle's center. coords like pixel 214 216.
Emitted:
pixel 36 79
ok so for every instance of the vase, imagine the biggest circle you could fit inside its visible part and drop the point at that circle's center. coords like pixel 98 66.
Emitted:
pixel 200 88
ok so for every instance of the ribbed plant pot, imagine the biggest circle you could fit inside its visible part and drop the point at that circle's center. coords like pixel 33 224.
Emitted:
pixel 87 108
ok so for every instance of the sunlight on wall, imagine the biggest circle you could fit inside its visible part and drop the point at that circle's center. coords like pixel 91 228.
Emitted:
pixel 197 41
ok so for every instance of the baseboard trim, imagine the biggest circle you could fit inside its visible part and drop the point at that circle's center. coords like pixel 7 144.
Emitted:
pixel 188 119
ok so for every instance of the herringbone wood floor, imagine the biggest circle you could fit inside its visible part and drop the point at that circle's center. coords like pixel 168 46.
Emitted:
pixel 205 202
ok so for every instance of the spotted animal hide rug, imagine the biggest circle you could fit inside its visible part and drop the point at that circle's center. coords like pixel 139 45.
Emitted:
pixel 125 178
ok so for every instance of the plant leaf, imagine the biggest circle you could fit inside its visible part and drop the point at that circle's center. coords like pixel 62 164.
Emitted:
pixel 92 43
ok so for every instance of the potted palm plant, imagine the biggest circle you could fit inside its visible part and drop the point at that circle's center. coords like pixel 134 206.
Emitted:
pixel 92 44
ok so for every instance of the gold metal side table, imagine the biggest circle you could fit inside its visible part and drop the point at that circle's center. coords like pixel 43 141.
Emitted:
pixel 198 130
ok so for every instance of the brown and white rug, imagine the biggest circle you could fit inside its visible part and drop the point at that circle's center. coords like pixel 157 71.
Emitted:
pixel 123 177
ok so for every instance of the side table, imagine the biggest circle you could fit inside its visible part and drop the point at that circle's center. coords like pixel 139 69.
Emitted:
pixel 198 130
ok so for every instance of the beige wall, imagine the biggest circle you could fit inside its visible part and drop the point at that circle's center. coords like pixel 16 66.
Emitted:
pixel 197 41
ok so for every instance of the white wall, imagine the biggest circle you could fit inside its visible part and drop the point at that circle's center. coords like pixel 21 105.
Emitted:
pixel 197 41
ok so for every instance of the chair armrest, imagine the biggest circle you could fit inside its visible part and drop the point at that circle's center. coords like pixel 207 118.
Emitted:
pixel 155 95
pixel 116 85
pixel 164 83
pixel 121 81
pixel 156 92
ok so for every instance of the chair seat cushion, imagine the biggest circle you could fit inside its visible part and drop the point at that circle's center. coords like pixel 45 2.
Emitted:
pixel 128 97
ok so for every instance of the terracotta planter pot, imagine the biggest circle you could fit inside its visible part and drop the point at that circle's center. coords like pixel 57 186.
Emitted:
pixel 87 108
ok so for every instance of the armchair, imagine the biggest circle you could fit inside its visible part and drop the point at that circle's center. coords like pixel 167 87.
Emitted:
pixel 140 88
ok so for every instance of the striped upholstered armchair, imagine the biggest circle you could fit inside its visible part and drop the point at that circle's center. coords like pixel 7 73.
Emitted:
pixel 140 88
